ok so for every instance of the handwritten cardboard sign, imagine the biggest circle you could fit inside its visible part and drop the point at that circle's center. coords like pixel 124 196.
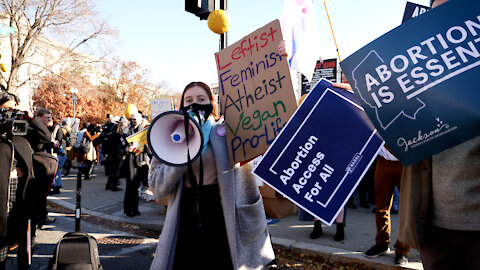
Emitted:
pixel 256 92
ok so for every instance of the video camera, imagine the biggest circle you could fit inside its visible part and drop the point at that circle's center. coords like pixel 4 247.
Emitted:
pixel 13 122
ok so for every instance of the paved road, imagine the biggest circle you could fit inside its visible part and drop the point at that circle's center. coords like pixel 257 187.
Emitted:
pixel 118 250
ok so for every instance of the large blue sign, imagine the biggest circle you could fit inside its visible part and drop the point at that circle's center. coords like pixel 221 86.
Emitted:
pixel 413 10
pixel 419 82
pixel 322 152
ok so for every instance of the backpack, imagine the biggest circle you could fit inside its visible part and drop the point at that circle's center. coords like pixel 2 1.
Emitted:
pixel 82 145
pixel 76 250
pixel 44 168
pixel 71 137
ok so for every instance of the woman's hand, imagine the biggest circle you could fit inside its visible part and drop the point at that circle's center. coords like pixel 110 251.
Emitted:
pixel 282 48
pixel 344 86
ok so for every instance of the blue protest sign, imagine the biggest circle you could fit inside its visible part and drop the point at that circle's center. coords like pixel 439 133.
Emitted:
pixel 418 83
pixel 413 10
pixel 322 152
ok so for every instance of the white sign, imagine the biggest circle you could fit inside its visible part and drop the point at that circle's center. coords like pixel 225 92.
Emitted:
pixel 161 105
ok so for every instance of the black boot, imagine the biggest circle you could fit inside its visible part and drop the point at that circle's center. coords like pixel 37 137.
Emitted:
pixel 364 204
pixel 317 230
pixel 340 235
pixel 55 190
pixel 351 204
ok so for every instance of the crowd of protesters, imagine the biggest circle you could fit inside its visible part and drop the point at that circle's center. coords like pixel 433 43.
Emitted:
pixel 106 144
pixel 27 180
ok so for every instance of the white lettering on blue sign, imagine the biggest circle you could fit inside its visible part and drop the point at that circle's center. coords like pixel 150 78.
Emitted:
pixel 434 59
pixel 353 164
pixel 302 181
pixel 327 171
pixel 295 164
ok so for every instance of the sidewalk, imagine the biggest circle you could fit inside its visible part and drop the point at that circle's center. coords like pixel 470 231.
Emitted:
pixel 287 232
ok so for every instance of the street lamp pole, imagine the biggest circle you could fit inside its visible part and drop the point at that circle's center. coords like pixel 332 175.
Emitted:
pixel 74 92
pixel 78 209
pixel 74 101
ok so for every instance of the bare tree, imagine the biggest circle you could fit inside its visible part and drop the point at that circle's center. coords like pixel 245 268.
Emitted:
pixel 158 90
pixel 49 34
pixel 126 82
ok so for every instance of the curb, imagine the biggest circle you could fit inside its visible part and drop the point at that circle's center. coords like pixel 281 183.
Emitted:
pixel 339 255
pixel 150 226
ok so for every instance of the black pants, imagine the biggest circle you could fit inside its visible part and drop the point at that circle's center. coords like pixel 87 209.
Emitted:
pixel 20 232
pixel 67 166
pixel 87 169
pixel 367 186
pixel 130 202
pixel 202 238
pixel 111 167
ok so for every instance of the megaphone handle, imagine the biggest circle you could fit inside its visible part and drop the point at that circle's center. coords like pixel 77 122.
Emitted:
pixel 200 181
pixel 191 175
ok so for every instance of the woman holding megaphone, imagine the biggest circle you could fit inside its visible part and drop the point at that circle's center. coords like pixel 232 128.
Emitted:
pixel 215 216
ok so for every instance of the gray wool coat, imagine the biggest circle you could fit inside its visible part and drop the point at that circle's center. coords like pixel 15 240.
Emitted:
pixel 247 231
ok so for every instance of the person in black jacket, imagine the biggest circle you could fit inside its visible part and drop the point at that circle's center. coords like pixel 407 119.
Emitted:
pixel 110 139
pixel 16 180
pixel 56 145
pixel 137 166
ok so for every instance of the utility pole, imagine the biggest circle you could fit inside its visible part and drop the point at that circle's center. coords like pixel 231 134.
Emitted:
pixel 223 37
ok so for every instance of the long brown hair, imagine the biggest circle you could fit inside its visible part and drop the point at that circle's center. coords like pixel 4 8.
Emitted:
pixel 207 89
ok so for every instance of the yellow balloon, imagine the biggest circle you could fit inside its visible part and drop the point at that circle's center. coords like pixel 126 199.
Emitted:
pixel 3 68
pixel 219 21
pixel 131 109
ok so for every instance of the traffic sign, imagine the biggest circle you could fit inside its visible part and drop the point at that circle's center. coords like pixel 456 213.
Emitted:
pixel 6 30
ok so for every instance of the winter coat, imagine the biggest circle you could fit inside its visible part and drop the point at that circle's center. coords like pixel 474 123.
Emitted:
pixel 415 207
pixel 417 193
pixel 20 148
pixel 58 136
pixel 245 221
pixel 109 140
pixel 133 161
pixel 92 153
